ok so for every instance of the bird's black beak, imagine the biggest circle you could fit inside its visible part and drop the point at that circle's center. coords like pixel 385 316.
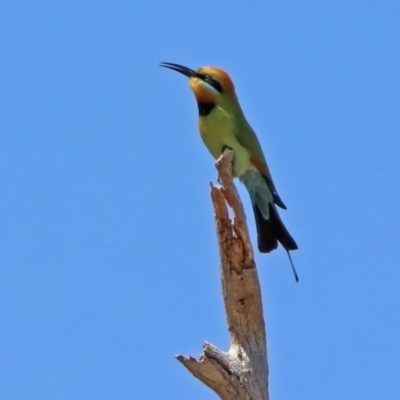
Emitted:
pixel 179 68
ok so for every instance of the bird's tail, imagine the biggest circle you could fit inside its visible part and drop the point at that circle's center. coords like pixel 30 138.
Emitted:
pixel 271 231
pixel 270 227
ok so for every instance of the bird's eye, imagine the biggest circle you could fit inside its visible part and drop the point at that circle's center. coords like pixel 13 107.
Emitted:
pixel 212 82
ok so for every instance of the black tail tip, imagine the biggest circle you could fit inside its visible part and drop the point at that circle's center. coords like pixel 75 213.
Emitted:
pixel 296 277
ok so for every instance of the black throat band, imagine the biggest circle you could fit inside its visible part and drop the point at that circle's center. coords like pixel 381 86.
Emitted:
pixel 205 108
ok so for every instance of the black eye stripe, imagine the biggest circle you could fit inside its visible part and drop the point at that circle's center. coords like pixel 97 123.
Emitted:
pixel 212 82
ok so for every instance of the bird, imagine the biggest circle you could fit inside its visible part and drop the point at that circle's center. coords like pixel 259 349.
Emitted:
pixel 222 124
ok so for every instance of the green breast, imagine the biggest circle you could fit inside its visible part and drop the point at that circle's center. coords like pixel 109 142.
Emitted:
pixel 217 131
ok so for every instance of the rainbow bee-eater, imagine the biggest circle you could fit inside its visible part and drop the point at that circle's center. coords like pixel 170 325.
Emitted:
pixel 223 125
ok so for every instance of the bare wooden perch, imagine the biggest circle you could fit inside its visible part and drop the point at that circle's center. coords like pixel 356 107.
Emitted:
pixel 242 372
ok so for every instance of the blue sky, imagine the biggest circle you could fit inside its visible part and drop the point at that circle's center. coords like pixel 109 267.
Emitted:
pixel 108 258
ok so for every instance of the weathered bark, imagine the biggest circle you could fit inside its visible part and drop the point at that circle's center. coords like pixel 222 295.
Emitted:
pixel 242 372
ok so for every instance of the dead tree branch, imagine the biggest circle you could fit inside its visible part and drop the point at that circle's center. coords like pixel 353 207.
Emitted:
pixel 242 372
